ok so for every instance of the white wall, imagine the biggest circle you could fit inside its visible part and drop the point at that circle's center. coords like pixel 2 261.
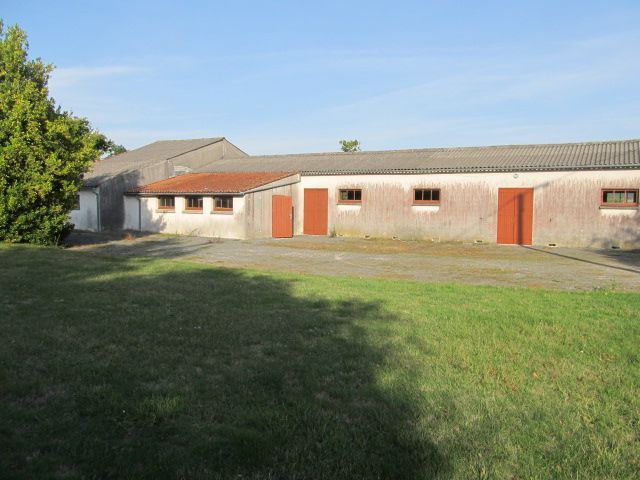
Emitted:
pixel 131 212
pixel 86 218
pixel 566 206
pixel 204 224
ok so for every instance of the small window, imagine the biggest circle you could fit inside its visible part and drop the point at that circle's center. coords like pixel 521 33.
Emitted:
pixel 350 196
pixel 428 196
pixel 223 204
pixel 76 204
pixel 166 203
pixel 620 198
pixel 193 203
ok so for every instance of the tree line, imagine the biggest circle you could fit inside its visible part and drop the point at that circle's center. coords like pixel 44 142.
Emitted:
pixel 44 150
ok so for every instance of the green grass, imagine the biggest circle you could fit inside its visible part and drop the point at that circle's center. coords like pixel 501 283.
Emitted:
pixel 130 367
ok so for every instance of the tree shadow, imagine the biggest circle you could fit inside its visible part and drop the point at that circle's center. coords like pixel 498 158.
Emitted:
pixel 85 238
pixel 119 368
pixel 626 257
pixel 149 244
pixel 629 235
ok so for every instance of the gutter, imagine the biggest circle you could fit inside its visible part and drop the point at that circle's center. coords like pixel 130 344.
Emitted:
pixel 208 193
pixel 461 170
pixel 283 182
pixel 96 192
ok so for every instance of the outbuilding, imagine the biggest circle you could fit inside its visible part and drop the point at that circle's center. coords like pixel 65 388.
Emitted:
pixel 100 201
pixel 579 194
pixel 228 205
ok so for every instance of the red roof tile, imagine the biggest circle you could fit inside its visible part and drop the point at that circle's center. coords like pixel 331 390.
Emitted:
pixel 236 182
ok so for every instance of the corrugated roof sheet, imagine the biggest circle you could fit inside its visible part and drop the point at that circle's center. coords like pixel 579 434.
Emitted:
pixel 568 156
pixel 140 157
pixel 236 182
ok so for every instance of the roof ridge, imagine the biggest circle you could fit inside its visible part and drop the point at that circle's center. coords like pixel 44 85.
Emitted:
pixel 217 139
pixel 234 172
pixel 213 140
pixel 193 183
pixel 441 149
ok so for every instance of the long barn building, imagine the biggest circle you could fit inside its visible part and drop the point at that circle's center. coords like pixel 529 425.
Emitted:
pixel 579 194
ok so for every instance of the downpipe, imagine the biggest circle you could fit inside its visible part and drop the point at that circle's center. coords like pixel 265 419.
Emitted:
pixel 96 192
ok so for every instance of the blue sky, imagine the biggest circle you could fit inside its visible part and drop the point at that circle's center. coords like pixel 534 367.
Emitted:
pixel 285 77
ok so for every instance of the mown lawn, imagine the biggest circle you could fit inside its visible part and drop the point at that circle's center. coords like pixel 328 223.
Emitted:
pixel 130 367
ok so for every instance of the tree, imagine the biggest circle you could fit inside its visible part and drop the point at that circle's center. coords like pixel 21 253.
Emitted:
pixel 350 145
pixel 44 151
pixel 110 148
pixel 115 149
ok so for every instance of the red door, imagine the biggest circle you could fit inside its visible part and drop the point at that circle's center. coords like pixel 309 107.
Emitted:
pixel 515 216
pixel 281 216
pixel 316 211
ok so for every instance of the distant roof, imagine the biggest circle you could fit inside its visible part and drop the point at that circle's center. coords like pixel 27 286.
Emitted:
pixel 568 156
pixel 140 157
pixel 237 182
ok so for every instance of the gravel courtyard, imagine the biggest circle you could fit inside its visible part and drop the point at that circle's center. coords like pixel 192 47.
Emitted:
pixel 555 268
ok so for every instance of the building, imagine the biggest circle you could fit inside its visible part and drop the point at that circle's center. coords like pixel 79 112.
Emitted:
pixel 580 194
pixel 100 204
pixel 226 205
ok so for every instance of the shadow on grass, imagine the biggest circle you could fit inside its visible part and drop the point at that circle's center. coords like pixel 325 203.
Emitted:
pixel 116 367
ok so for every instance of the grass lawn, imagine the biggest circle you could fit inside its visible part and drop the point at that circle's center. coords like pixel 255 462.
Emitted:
pixel 138 367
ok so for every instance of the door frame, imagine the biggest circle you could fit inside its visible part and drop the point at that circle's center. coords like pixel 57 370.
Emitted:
pixel 277 232
pixel 307 227
pixel 521 201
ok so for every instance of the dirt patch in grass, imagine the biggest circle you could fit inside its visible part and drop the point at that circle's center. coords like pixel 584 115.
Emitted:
pixel 415 247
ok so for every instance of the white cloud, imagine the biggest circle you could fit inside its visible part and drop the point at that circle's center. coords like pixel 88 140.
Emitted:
pixel 547 92
pixel 69 76
pixel 569 69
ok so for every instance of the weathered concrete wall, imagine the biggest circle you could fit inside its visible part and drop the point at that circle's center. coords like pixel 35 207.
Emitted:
pixel 203 156
pixel 112 192
pixel 231 151
pixel 202 224
pixel 566 207
pixel 86 218
pixel 258 209
pixel 112 208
